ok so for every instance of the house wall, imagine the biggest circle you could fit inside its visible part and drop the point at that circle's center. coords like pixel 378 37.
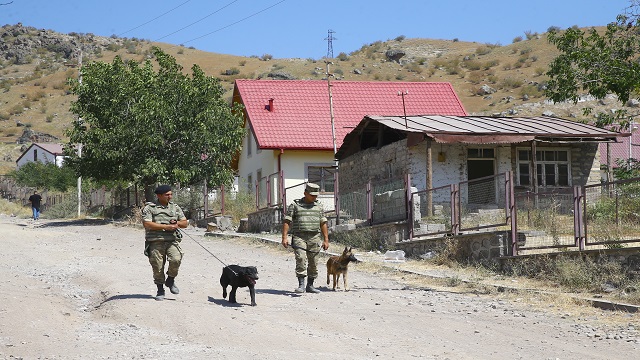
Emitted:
pixel 294 164
pixel 42 155
pixel 249 164
pixel 396 159
pixel 584 161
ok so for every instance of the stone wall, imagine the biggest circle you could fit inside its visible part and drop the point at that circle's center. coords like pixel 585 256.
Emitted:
pixel 388 162
pixel 265 220
pixel 481 247
pixel 383 236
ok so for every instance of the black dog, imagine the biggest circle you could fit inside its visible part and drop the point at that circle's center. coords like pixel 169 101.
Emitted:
pixel 239 276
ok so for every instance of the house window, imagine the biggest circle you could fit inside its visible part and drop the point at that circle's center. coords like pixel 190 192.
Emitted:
pixel 480 153
pixel 552 167
pixel 35 155
pixel 250 183
pixel 323 176
pixel 249 143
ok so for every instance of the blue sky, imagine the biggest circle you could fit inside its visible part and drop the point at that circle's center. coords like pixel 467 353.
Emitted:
pixel 299 28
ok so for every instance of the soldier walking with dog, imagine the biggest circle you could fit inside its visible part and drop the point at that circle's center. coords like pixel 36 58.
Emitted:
pixel 161 222
pixel 305 218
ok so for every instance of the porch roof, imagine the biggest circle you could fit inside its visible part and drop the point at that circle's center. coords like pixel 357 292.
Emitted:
pixel 470 130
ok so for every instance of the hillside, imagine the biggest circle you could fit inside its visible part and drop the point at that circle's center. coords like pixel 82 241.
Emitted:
pixel 489 79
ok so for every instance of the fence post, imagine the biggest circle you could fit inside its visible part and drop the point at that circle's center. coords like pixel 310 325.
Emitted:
pixel 578 219
pixel 455 216
pixel 336 196
pixel 283 193
pixel 369 204
pixel 257 192
pixel 268 189
pixel 513 213
pixel 409 204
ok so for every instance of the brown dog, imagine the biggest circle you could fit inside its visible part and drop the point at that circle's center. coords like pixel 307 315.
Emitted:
pixel 338 265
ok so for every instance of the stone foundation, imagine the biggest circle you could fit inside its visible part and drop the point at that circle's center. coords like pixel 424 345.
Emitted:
pixel 265 220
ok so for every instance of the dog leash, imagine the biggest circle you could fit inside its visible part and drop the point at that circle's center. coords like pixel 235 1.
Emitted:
pixel 301 248
pixel 207 250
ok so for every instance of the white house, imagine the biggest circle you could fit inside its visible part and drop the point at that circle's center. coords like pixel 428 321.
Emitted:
pixel 290 129
pixel 41 152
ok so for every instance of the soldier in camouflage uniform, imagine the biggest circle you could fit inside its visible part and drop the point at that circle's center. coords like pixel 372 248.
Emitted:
pixel 308 226
pixel 162 238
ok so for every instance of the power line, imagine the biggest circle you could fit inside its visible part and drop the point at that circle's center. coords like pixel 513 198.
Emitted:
pixel 237 22
pixel 197 21
pixel 154 19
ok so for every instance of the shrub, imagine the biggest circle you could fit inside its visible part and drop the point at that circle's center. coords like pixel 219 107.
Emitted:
pixel 472 65
pixel 517 39
pixel 553 29
pixel 400 38
pixel 483 50
pixel 512 83
pixel 266 57
pixel 343 56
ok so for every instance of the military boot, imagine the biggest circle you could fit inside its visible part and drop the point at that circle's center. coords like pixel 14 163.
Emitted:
pixel 300 288
pixel 160 294
pixel 310 288
pixel 170 283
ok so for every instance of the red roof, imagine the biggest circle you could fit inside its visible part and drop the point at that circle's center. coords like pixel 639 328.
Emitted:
pixel 301 117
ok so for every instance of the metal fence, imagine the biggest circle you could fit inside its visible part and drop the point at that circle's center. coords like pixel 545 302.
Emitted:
pixel 611 213
pixel 269 191
pixel 483 203
pixel 545 219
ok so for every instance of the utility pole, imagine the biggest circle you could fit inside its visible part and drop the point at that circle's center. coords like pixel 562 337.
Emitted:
pixel 333 126
pixel 403 93
pixel 330 39
pixel 80 145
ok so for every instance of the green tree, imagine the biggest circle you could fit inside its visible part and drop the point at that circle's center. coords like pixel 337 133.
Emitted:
pixel 598 63
pixel 143 125
pixel 45 176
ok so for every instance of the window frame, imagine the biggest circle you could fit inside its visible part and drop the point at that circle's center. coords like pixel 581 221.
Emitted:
pixel 322 182
pixel 543 164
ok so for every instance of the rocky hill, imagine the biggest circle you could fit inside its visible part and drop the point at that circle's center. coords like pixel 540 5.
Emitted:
pixel 35 65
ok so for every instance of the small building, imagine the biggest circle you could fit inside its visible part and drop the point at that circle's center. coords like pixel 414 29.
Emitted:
pixel 294 126
pixel 442 150
pixel 42 152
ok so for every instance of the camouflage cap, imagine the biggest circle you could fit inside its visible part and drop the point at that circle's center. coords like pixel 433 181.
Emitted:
pixel 312 189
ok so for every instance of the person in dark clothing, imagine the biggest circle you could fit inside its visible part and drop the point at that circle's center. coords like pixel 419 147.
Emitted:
pixel 35 201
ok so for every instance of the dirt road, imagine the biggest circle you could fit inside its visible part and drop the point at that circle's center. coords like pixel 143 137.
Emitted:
pixel 83 290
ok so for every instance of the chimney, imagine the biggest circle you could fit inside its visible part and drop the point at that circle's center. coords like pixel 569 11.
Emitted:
pixel 270 106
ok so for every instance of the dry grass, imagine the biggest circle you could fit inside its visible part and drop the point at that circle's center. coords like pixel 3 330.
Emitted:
pixel 10 208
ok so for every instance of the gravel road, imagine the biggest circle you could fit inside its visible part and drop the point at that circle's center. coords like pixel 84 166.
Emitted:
pixel 83 290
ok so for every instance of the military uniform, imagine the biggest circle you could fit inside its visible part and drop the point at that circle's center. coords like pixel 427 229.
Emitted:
pixel 305 222
pixel 160 244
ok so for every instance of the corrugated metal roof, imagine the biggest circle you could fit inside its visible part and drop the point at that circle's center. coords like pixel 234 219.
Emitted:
pixel 540 126
pixel 481 130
